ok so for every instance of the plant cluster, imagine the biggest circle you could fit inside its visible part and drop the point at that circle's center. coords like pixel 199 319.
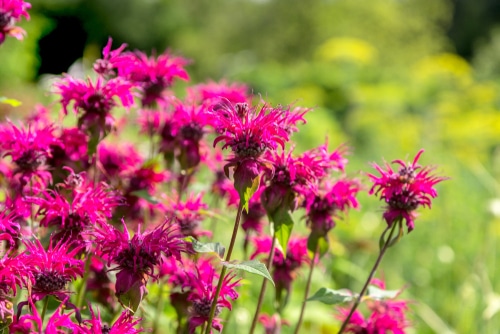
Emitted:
pixel 90 223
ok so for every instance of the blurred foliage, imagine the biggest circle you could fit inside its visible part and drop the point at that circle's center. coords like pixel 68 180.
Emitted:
pixel 381 76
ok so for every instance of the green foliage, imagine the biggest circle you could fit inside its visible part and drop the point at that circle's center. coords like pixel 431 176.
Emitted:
pixel 253 267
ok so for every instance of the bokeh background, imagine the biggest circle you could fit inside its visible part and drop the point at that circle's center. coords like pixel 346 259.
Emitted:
pixel 387 77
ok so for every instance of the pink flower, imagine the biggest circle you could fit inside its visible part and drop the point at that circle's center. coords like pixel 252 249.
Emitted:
pixel 125 324
pixel 202 296
pixel 272 324
pixel 188 215
pixel 152 74
pixel 138 257
pixel 213 91
pixel 29 149
pixel 94 101
pixel 387 315
pixel 53 268
pixel 89 205
pixel 107 66
pixel 405 190
pixel 284 268
pixel 11 12
pixel 324 205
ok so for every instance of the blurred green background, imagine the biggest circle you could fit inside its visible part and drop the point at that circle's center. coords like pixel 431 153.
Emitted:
pixel 388 77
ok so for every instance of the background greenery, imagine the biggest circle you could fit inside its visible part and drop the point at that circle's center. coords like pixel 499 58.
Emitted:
pixel 387 77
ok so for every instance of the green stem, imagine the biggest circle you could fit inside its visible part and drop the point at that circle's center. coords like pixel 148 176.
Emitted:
pixel 83 287
pixel 224 269
pixel 372 273
pixel 269 265
pixel 44 309
pixel 306 294
pixel 159 310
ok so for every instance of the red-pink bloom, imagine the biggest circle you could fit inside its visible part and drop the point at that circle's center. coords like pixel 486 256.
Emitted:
pixel 202 296
pixel 11 12
pixel 52 269
pixel 107 66
pixel 405 190
pixel 387 316
pixel 284 268
pixel 249 132
pixel 272 324
pixel 188 214
pixel 125 324
pixel 324 205
pixel 29 149
pixel 88 205
pixel 138 257
pixel 213 91
pixel 152 74
pixel 94 101
pixel 118 160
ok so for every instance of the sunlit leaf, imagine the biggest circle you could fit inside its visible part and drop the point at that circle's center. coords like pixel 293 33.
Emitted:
pixel 210 247
pixel 253 267
pixel 332 297
pixel 377 293
pixel 283 225
pixel 11 102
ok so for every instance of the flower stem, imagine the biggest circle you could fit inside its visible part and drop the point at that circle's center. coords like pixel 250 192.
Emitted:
pixel 83 287
pixel 269 264
pixel 224 269
pixel 372 273
pixel 44 309
pixel 308 286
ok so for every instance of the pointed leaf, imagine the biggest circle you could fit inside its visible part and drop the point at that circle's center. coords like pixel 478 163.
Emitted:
pixel 253 267
pixel 248 192
pixel 11 102
pixel 283 225
pixel 332 297
pixel 144 194
pixel 377 293
pixel 211 247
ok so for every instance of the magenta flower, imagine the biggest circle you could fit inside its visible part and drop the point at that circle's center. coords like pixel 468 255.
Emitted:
pixel 11 12
pixel 138 257
pixel 125 324
pixel 94 101
pixel 324 205
pixel 284 268
pixel 70 149
pixel 52 269
pixel 29 149
pixel 152 74
pixel 272 324
pixel 88 205
pixel 188 215
pixel 213 91
pixel 202 296
pixel 249 132
pixel 13 274
pixel 118 160
pixel 107 66
pixel 387 315
pixel 405 190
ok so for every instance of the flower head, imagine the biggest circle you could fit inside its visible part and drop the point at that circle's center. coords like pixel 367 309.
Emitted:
pixel 11 12
pixel 125 324
pixel 94 101
pixel 188 215
pixel 387 316
pixel 53 268
pixel 138 257
pixel 213 91
pixel 152 74
pixel 107 66
pixel 202 296
pixel 404 190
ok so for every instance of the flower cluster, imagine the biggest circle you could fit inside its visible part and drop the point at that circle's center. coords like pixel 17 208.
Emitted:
pixel 11 12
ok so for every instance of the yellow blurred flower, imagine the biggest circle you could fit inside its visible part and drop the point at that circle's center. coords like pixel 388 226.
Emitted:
pixel 346 48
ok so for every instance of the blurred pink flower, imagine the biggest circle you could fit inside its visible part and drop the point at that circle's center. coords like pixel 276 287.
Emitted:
pixel 11 12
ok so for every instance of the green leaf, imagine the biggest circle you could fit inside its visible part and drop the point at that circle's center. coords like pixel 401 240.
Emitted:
pixel 211 247
pixel 248 193
pixel 377 293
pixel 144 194
pixel 253 267
pixel 319 241
pixel 133 297
pixel 332 297
pixel 283 225
pixel 11 102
